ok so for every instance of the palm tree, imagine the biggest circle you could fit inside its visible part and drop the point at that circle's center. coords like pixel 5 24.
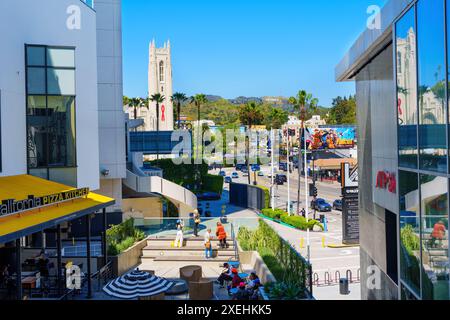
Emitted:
pixel 250 115
pixel 198 100
pixel 179 98
pixel 158 98
pixel 125 101
pixel 136 103
pixel 304 102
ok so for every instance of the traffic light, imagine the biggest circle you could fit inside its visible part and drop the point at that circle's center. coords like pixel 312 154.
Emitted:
pixel 313 190
pixel 315 193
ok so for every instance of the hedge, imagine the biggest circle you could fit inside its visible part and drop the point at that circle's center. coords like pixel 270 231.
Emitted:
pixel 297 222
pixel 213 183
pixel 122 236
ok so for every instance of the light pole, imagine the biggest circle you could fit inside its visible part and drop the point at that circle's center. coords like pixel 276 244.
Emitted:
pixel 308 243
pixel 272 142
pixel 288 174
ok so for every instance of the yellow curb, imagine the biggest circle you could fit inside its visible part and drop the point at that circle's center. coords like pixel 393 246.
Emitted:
pixel 337 246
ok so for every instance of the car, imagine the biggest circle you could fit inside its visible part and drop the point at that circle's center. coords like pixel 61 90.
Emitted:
pixel 321 205
pixel 228 179
pixel 283 166
pixel 283 177
pixel 240 166
pixel 256 167
pixel 208 196
pixel 337 204
pixel 279 181
pixel 244 169
pixel 222 173
pixel 235 175
pixel 260 174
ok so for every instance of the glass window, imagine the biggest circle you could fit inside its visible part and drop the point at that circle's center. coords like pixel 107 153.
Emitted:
pixel 431 66
pixel 61 58
pixel 409 230
pixel 161 71
pixel 37 141
pixel 36 81
pixel 36 56
pixel 61 82
pixel 37 105
pixel 434 226
pixel 61 131
pixel 407 90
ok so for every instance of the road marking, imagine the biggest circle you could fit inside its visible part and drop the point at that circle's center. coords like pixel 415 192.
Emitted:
pixel 333 258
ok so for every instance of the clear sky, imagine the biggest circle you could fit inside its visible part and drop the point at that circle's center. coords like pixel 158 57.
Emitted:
pixel 244 47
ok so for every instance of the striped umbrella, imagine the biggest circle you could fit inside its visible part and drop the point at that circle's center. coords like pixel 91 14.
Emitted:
pixel 137 284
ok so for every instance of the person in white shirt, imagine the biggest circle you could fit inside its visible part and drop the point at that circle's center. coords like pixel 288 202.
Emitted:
pixel 179 239
pixel 208 244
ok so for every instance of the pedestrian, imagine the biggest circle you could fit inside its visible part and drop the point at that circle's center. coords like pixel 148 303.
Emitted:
pixel 438 234
pixel 179 238
pixel 196 222
pixel 303 212
pixel 208 244
pixel 221 235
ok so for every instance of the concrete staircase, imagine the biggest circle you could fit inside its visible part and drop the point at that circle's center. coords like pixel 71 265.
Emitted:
pixel 193 251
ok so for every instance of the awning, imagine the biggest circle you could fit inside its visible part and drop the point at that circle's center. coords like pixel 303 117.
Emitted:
pixel 29 204
pixel 333 164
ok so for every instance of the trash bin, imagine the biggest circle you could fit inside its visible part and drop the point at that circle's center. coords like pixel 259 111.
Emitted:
pixel 343 286
pixel 322 218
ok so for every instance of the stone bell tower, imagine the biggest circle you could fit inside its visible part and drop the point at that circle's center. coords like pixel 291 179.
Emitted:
pixel 160 81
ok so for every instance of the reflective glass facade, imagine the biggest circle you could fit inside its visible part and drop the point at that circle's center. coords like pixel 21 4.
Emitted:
pixel 422 87
pixel 51 130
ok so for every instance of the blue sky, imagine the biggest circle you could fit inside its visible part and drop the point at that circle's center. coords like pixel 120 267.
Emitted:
pixel 244 47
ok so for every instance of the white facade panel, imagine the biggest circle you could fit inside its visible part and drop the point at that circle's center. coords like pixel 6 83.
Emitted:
pixel 44 22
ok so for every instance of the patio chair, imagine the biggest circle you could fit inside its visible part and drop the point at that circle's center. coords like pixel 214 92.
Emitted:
pixel 203 289
pixel 191 273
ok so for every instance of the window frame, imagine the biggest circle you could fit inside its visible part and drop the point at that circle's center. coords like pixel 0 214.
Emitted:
pixel 46 95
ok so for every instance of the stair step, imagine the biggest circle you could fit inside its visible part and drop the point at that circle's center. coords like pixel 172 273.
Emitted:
pixel 193 259
pixel 186 248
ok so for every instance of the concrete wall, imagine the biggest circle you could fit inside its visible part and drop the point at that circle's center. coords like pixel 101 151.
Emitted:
pixel 150 207
pixel 45 22
pixel 377 123
pixel 128 259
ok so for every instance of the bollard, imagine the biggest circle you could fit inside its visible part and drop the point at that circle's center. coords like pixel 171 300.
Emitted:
pixel 302 243
pixel 323 242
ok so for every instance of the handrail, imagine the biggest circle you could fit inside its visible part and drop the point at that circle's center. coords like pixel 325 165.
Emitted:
pixel 235 244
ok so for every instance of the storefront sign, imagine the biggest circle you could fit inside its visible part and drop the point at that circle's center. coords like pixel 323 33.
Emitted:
pixel 350 215
pixel 386 180
pixel 12 206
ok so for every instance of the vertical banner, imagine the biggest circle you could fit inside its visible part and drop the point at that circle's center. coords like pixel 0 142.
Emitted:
pixel 350 205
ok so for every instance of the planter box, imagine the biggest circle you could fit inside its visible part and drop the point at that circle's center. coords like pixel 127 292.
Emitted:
pixel 128 259
pixel 252 261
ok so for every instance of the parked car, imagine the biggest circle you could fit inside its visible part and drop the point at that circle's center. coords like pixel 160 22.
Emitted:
pixel 321 205
pixel 222 173
pixel 283 177
pixel 208 196
pixel 337 204
pixel 228 179
pixel 235 175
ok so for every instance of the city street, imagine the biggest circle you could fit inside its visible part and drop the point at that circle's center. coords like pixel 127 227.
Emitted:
pixel 334 261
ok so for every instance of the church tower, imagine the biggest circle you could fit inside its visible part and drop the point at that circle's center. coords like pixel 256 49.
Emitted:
pixel 160 81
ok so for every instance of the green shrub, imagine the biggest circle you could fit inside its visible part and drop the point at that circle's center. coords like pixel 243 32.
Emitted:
pixel 297 222
pixel 122 236
pixel 213 183
pixel 266 196
pixel 285 263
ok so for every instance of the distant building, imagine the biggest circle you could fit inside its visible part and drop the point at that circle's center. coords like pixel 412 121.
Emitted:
pixel 315 121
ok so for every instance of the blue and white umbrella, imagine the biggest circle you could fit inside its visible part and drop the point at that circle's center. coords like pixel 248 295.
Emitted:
pixel 137 284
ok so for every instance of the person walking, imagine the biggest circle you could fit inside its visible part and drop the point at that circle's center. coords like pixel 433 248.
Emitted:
pixel 196 222
pixel 208 245
pixel 221 235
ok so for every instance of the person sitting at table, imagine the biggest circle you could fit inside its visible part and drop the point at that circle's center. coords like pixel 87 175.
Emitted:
pixel 236 280
pixel 226 275
pixel 242 293
pixel 253 286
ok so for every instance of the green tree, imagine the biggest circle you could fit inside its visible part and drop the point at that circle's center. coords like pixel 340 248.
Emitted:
pixel 343 111
pixel 178 99
pixel 276 118
pixel 198 100
pixel 136 103
pixel 250 115
pixel 304 102
pixel 125 101
pixel 158 99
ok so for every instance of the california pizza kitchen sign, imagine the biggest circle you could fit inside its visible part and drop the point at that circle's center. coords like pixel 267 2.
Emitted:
pixel 12 206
